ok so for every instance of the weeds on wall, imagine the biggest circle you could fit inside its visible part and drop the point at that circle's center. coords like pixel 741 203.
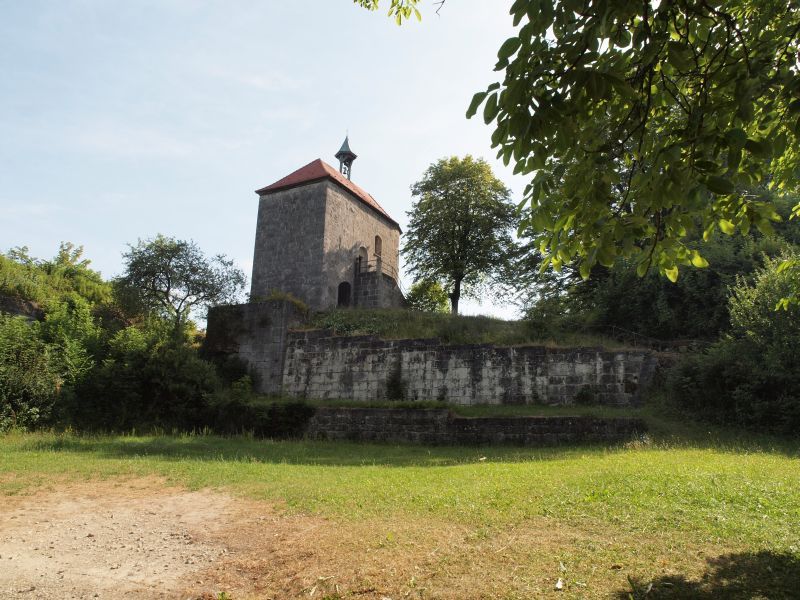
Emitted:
pixel 450 329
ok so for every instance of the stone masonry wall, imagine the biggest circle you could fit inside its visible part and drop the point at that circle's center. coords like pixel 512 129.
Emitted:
pixel 288 252
pixel 256 334
pixel 376 290
pixel 349 225
pixel 440 426
pixel 319 365
pixel 308 238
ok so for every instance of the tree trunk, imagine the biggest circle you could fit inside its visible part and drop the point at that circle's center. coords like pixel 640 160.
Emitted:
pixel 177 328
pixel 454 296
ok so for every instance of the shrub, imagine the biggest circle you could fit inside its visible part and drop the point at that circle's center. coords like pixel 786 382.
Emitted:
pixel 751 377
pixel 146 381
pixel 70 328
pixel 428 296
pixel 236 414
pixel 46 282
pixel 29 381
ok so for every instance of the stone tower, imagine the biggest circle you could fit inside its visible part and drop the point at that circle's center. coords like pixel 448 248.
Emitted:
pixel 325 240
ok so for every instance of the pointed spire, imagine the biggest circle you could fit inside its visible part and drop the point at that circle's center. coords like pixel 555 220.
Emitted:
pixel 346 158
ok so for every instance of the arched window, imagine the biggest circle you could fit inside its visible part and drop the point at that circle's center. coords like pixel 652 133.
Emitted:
pixel 343 297
pixel 362 254
pixel 378 245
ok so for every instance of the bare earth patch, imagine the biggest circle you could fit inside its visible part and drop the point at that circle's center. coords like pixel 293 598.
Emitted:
pixel 108 539
pixel 142 539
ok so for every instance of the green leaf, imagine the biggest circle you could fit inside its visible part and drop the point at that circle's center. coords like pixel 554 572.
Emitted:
pixel 476 102
pixel 719 185
pixel 606 256
pixel 508 48
pixel 672 273
pixel 726 226
pixel 706 166
pixel 490 109
pixel 698 261
pixel 765 227
pixel 585 269
pixel 736 137
pixel 759 148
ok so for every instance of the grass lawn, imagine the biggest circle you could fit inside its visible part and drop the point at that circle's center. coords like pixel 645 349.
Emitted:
pixel 691 512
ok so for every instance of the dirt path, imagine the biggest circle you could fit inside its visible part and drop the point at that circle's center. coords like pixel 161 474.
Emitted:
pixel 109 540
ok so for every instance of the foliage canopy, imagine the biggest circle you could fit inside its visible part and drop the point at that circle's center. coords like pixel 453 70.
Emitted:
pixel 398 9
pixel 643 123
pixel 750 376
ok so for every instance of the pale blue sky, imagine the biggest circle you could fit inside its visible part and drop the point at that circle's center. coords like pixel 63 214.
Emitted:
pixel 121 120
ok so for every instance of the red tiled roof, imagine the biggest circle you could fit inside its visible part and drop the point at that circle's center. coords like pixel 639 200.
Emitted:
pixel 319 169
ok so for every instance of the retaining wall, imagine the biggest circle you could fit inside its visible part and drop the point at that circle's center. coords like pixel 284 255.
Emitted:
pixel 440 426
pixel 319 365
pixel 256 334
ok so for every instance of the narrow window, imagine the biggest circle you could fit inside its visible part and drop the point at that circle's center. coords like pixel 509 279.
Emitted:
pixel 378 245
pixel 343 298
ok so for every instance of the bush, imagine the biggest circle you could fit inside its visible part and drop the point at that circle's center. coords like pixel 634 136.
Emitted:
pixel 236 415
pixel 70 328
pixel 29 380
pixel 428 296
pixel 752 376
pixel 45 282
pixel 145 382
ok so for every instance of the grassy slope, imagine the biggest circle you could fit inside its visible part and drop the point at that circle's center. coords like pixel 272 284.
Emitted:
pixel 450 329
pixel 688 493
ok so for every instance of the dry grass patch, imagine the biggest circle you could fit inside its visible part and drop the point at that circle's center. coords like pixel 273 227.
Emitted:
pixel 292 556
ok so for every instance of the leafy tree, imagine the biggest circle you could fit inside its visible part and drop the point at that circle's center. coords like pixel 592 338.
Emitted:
pixel 696 306
pixel 70 329
pixel 146 379
pixel 459 229
pixel 174 277
pixel 427 296
pixel 644 124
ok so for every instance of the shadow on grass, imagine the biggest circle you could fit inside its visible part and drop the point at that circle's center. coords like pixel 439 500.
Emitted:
pixel 307 452
pixel 762 574
pixel 666 431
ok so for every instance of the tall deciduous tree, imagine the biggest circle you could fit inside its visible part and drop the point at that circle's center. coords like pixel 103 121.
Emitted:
pixel 460 226
pixel 174 277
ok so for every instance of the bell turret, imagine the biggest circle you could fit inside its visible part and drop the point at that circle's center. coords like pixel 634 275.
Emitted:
pixel 346 158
